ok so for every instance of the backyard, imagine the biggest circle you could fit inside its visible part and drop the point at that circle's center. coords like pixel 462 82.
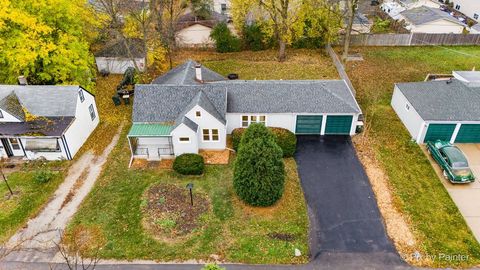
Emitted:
pixel 436 223
pixel 229 230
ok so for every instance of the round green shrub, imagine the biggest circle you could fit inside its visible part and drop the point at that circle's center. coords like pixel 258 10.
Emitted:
pixel 283 137
pixel 259 171
pixel 189 164
pixel 43 176
pixel 225 41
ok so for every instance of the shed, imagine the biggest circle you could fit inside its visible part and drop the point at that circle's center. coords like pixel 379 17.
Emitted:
pixel 117 57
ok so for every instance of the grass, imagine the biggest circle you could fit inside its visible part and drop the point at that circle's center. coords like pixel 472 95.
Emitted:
pixel 27 202
pixel 437 223
pixel 231 230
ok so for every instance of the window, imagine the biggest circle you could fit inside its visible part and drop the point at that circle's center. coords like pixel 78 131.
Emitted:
pixel 80 94
pixel 15 143
pixel 1 114
pixel 198 114
pixel 184 139
pixel 215 135
pixel 210 135
pixel 42 145
pixel 457 7
pixel 224 8
pixel 407 107
pixel 92 112
pixel 475 16
pixel 247 120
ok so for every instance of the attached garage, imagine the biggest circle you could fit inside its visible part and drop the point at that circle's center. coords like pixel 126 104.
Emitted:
pixel 309 124
pixel 468 133
pixel 442 132
pixel 338 124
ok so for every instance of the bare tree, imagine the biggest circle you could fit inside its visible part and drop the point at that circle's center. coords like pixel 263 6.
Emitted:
pixel 351 8
pixel 2 163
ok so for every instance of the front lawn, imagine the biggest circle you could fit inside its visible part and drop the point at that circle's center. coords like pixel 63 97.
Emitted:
pixel 229 231
pixel 28 199
pixel 437 224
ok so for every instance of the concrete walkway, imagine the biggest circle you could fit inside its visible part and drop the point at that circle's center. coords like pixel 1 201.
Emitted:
pixel 466 197
pixel 36 241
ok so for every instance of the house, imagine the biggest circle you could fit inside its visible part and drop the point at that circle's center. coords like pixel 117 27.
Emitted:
pixel 471 8
pixel 361 24
pixel 117 57
pixel 445 109
pixel 409 4
pixel 431 20
pixel 45 121
pixel 194 108
pixel 222 6
pixel 192 31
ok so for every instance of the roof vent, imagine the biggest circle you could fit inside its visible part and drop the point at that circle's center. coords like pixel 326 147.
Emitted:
pixel 198 72
pixel 22 80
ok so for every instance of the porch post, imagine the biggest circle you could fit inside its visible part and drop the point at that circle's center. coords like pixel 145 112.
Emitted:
pixel 131 152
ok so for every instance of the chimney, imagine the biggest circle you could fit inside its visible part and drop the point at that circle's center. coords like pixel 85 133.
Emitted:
pixel 198 72
pixel 22 80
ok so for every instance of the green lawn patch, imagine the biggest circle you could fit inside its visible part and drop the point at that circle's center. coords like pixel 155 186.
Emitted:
pixel 29 197
pixel 230 229
pixel 437 223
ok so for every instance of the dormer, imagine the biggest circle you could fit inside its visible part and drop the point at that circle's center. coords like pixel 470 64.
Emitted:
pixel 10 109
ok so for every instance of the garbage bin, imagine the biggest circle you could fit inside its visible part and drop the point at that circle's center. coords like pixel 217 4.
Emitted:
pixel 116 100
pixel 126 99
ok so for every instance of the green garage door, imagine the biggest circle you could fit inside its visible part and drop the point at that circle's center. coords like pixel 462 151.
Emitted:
pixel 338 124
pixel 442 132
pixel 468 133
pixel 308 124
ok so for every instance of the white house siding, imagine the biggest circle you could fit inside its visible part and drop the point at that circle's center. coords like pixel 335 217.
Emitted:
pixel 196 35
pixel 184 147
pixel 118 65
pixel 152 144
pixel 82 126
pixel 217 5
pixel 410 118
pixel 8 117
pixel 437 27
pixel 282 120
pixel 207 121
pixel 469 8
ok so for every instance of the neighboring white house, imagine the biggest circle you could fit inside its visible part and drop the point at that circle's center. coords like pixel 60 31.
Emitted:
pixel 192 108
pixel 431 20
pixel 192 31
pixel 443 109
pixel 471 8
pixel 222 6
pixel 117 57
pixel 46 121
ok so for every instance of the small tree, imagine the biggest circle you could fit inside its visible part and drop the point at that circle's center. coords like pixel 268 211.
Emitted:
pixel 259 172
pixel 225 41
pixel 253 37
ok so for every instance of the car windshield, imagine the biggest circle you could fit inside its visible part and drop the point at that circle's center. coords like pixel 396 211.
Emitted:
pixel 456 157
pixel 462 172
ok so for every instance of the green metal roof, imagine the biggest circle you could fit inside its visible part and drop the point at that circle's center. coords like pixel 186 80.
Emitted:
pixel 149 130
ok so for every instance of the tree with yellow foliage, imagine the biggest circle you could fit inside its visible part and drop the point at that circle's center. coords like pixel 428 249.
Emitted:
pixel 46 41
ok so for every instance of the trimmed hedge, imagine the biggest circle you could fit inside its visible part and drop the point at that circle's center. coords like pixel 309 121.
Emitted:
pixel 259 171
pixel 189 164
pixel 283 137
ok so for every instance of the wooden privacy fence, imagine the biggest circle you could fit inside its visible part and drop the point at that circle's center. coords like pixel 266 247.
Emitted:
pixel 413 39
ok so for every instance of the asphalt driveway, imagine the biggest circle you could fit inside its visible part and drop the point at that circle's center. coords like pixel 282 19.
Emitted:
pixel 342 207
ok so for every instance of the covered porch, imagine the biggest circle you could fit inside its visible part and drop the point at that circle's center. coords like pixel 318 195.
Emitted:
pixel 150 141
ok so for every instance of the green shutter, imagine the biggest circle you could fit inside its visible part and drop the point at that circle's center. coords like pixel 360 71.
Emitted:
pixel 308 124
pixel 339 124
pixel 442 132
pixel 468 133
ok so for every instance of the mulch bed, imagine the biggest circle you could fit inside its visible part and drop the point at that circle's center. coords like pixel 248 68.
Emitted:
pixel 215 157
pixel 168 214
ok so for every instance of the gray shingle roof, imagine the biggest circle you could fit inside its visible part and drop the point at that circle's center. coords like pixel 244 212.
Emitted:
pixel 423 14
pixel 49 126
pixel 329 96
pixel 119 49
pixel 188 122
pixel 185 75
pixel 156 103
pixel 12 105
pixel 439 101
pixel 44 100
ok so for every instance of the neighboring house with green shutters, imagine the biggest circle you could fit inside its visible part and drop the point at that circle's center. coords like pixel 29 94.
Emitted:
pixel 447 109
pixel 192 108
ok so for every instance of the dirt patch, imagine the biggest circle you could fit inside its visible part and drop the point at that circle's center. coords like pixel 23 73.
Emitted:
pixel 166 164
pixel 398 225
pixel 216 157
pixel 168 213
pixel 282 236
pixel 139 164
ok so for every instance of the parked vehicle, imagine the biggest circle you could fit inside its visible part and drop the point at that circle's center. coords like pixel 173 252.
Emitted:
pixel 452 161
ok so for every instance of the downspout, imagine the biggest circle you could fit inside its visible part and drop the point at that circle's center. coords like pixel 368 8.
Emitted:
pixel 67 150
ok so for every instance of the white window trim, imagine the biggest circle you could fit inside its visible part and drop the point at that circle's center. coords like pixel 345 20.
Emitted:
pixel 210 135
pixel 81 96
pixel 249 121
pixel 1 115
pixel 91 110
pixel 407 107
pixel 180 139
